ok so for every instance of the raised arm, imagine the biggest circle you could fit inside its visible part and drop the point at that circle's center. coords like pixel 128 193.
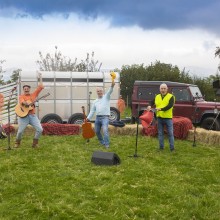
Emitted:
pixel 40 80
pixel 113 84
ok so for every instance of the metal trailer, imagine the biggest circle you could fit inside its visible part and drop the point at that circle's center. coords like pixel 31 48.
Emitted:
pixel 69 91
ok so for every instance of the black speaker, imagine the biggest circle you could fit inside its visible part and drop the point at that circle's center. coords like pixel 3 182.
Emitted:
pixel 105 158
pixel 216 84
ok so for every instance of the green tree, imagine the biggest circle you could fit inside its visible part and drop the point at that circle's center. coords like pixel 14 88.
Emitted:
pixel 204 87
pixel 58 62
pixel 162 72
pixel 128 75
pixel 212 91
pixel 154 72
pixel 217 54
pixel 14 76
pixel 185 77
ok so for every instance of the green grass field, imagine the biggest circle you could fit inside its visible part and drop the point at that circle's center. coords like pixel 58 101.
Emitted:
pixel 58 180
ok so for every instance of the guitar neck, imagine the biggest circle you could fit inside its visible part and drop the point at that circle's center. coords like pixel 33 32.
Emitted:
pixel 33 102
pixel 37 99
pixel 84 114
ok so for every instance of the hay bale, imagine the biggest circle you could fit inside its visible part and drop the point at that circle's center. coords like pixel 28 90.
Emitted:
pixel 128 129
pixel 28 131
pixel 208 137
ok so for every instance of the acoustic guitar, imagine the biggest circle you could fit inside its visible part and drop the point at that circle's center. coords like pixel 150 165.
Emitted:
pixel 87 130
pixel 23 110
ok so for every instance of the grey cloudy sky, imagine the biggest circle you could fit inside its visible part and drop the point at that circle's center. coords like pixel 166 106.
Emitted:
pixel 122 32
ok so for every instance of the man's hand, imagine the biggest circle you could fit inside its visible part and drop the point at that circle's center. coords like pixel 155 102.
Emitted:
pixel 40 79
pixel 148 108
pixel 113 84
pixel 25 104
pixel 158 109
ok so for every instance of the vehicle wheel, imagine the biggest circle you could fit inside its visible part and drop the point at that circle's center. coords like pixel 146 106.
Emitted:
pixel 77 118
pixel 114 114
pixel 207 123
pixel 52 119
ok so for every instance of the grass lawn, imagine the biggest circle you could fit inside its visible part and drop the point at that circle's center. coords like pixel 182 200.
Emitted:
pixel 58 180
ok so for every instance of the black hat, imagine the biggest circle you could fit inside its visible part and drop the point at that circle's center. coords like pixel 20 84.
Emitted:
pixel 26 86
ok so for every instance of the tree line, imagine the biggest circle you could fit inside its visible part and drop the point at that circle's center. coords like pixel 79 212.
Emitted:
pixel 164 72
pixel 156 71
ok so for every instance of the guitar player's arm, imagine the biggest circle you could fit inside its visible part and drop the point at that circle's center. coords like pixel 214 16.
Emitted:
pixel 40 80
pixel 40 86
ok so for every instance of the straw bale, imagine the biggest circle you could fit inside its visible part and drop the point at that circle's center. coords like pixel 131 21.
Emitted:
pixel 208 137
pixel 28 131
pixel 128 129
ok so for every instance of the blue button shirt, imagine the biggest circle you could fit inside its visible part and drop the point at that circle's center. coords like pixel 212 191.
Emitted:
pixel 101 106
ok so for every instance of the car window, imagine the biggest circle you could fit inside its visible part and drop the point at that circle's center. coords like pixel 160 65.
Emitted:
pixel 196 92
pixel 147 93
pixel 181 94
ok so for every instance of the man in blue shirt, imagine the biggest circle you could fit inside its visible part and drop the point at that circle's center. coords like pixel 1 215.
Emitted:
pixel 101 106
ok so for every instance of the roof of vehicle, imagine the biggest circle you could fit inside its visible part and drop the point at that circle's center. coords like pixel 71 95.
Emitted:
pixel 33 75
pixel 158 83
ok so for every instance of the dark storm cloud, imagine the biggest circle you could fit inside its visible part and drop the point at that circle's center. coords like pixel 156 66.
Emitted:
pixel 148 14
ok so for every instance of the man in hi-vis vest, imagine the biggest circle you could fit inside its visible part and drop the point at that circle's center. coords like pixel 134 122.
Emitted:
pixel 164 111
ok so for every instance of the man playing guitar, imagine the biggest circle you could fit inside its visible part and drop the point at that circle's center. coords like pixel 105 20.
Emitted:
pixel 30 118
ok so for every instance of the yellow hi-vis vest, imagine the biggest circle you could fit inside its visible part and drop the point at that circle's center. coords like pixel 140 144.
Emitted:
pixel 161 103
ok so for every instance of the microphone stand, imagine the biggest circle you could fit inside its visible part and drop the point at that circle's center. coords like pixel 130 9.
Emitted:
pixel 8 108
pixel 89 100
pixel 195 123
pixel 137 121
pixel 211 126
pixel 88 140
pixel 194 135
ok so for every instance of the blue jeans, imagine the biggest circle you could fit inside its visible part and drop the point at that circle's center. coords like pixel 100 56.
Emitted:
pixel 102 122
pixel 32 120
pixel 169 124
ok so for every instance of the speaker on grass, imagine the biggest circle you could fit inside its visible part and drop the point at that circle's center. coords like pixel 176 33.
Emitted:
pixel 105 158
